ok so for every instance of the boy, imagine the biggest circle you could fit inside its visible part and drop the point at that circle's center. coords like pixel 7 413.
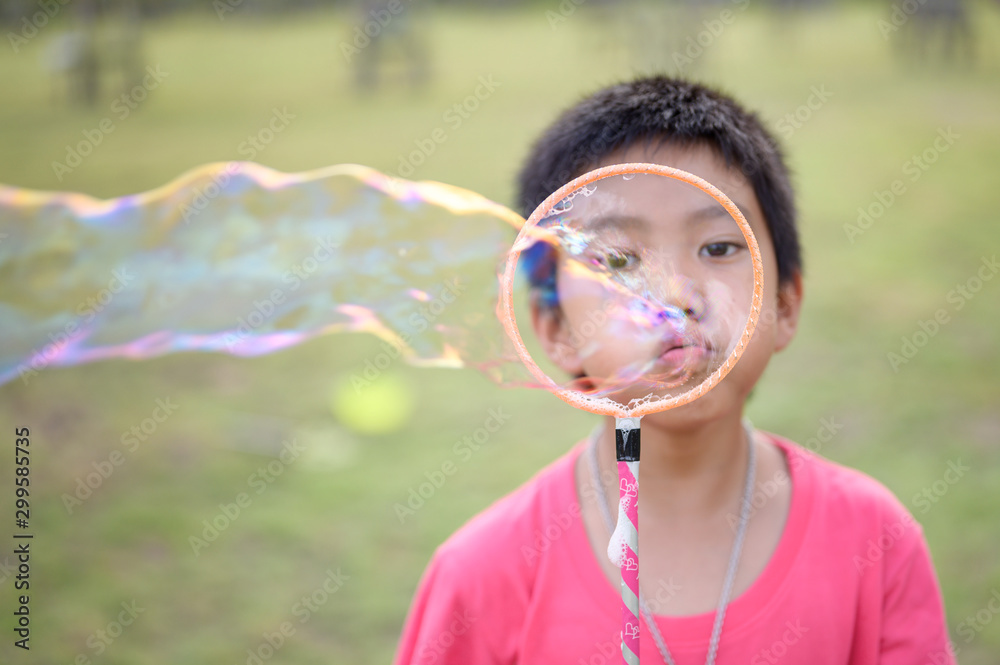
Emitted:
pixel 833 569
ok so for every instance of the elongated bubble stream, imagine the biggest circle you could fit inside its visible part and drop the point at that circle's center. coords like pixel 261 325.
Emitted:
pixel 240 259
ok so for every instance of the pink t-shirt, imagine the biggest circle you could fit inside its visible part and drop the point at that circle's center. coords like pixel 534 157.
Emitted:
pixel 850 582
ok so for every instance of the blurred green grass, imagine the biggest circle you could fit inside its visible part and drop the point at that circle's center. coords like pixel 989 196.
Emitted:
pixel 333 508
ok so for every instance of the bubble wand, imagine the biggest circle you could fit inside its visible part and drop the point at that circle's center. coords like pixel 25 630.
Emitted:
pixel 626 536
pixel 624 541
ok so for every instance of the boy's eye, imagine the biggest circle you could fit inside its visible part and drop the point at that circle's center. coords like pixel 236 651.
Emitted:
pixel 618 259
pixel 720 249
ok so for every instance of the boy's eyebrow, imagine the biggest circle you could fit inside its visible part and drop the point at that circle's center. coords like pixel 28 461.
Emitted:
pixel 716 210
pixel 618 221
pixel 709 212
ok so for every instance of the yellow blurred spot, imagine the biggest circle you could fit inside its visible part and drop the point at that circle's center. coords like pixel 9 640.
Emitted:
pixel 378 406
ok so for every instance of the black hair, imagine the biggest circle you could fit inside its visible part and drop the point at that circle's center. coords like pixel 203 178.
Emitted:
pixel 649 110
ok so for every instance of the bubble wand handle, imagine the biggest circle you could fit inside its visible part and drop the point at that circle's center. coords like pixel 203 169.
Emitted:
pixel 627 533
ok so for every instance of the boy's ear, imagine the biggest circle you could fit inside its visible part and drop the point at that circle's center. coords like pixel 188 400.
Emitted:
pixel 554 334
pixel 788 307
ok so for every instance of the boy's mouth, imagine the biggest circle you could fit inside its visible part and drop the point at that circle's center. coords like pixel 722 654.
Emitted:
pixel 683 353
pixel 678 351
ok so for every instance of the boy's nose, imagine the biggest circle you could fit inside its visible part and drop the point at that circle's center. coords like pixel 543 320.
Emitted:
pixel 691 309
pixel 672 314
pixel 695 306
pixel 683 300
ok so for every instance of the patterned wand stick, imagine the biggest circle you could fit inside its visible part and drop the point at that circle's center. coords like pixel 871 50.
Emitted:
pixel 624 546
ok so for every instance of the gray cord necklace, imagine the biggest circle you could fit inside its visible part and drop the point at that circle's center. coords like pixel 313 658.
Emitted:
pixel 734 558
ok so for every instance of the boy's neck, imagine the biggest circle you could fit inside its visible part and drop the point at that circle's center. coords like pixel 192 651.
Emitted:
pixel 690 474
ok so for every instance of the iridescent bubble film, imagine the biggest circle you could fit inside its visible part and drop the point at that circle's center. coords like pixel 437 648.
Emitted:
pixel 646 279
pixel 643 286
pixel 240 259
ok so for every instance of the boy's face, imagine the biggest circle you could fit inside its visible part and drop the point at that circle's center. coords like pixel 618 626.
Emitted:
pixel 693 262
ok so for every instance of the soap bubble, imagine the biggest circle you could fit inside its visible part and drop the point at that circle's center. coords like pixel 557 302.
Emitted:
pixel 654 277
pixel 240 259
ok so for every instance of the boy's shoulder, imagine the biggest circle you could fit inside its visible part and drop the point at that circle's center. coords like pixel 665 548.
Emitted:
pixel 504 534
pixel 850 493
pixel 483 574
